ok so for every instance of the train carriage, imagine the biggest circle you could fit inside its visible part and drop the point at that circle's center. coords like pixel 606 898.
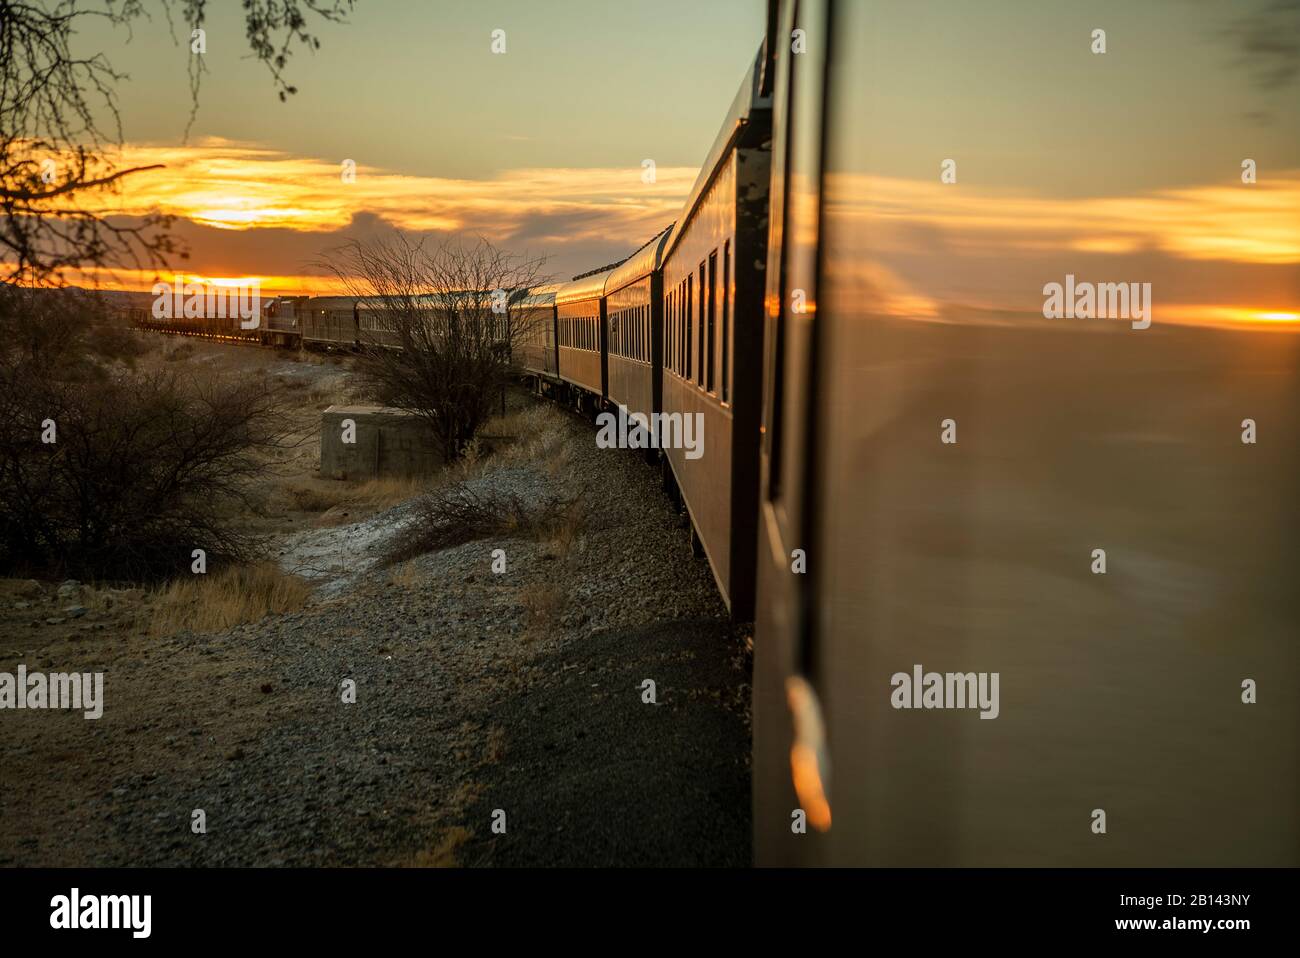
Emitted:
pixel 712 340
pixel 330 321
pixel 634 328
pixel 580 335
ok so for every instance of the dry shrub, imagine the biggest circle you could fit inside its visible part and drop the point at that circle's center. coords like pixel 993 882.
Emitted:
pixel 232 596
pixel 566 532
pixel 458 513
pixel 148 464
pixel 111 342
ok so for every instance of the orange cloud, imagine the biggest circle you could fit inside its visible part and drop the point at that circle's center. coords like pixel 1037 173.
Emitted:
pixel 236 186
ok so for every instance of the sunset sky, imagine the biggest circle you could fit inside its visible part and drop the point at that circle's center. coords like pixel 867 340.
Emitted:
pixel 1067 159
pixel 539 149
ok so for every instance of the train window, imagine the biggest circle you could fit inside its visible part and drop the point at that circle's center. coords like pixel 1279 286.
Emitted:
pixel 668 330
pixel 671 329
pixel 726 322
pixel 702 353
pixel 690 323
pixel 677 339
pixel 712 330
pixel 685 333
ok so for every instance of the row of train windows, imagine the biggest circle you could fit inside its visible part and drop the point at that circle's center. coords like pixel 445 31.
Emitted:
pixel 697 332
pixel 580 332
pixel 629 333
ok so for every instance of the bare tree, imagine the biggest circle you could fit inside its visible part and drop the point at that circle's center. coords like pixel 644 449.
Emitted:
pixel 438 324
pixel 59 123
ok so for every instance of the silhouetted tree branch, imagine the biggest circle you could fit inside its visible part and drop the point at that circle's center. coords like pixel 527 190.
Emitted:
pixel 60 123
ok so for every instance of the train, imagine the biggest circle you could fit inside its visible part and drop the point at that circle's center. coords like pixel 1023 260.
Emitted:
pixel 1015 577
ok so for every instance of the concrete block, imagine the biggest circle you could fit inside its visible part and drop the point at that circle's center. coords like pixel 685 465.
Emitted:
pixel 387 442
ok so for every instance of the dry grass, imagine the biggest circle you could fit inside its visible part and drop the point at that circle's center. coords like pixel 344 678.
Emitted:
pixel 443 855
pixel 229 597
pixel 319 495
pixel 536 435
pixel 333 391
pixel 543 604
pixel 405 576
pixel 495 749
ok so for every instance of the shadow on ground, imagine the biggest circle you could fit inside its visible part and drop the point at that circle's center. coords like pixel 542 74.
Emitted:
pixel 593 776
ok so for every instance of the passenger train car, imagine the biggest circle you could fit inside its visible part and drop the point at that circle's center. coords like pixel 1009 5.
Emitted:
pixel 675 330
pixel 634 329
pixel 580 334
pixel 713 294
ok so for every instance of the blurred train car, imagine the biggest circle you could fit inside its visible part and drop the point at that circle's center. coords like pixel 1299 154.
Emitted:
pixel 634 329
pixel 713 287
pixel 1069 504
pixel 580 335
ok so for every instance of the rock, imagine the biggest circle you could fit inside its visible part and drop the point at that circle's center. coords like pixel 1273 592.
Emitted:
pixel 69 588
pixel 75 611
pixel 54 621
